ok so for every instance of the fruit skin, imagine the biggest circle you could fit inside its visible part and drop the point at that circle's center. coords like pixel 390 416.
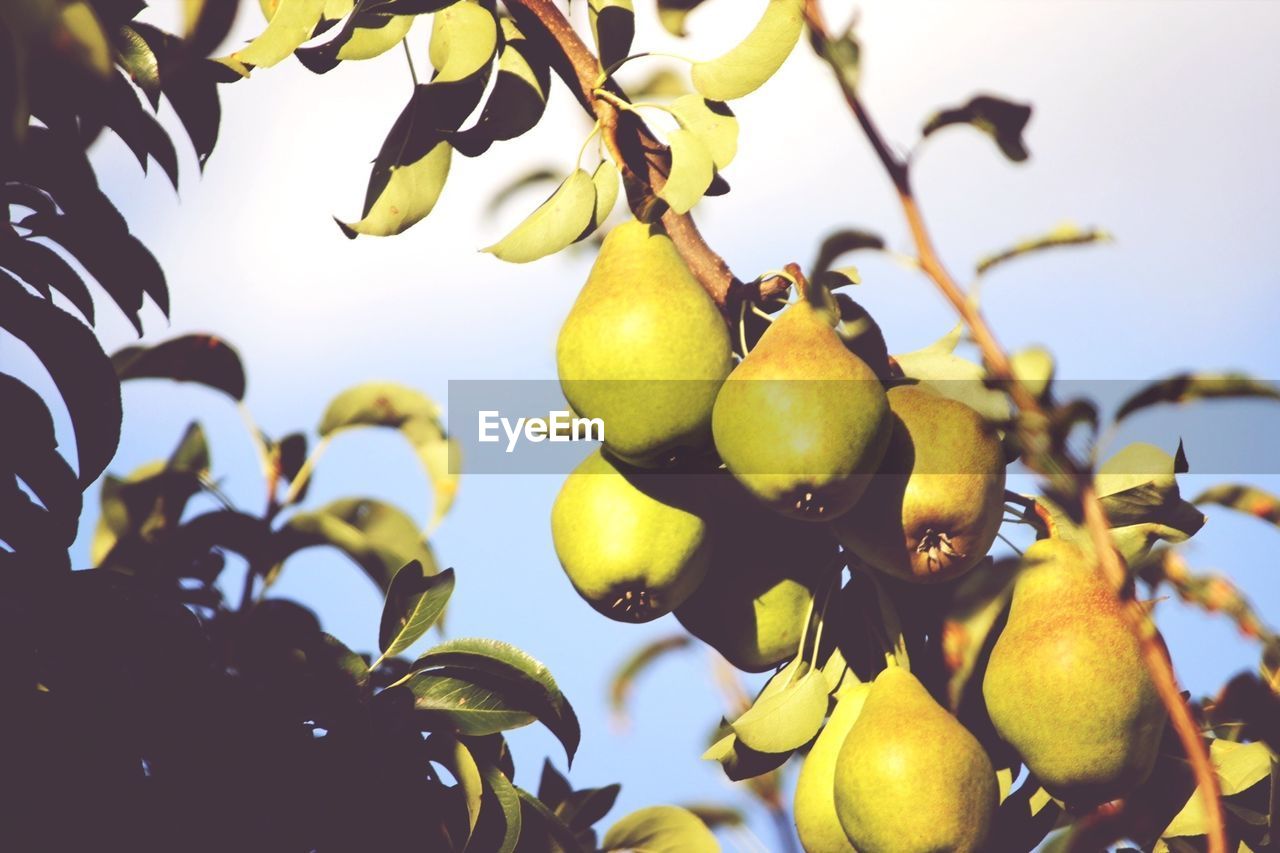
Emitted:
pixel 763 574
pixel 815 804
pixel 1066 685
pixel 632 556
pixel 644 349
pixel 910 777
pixel 934 509
pixel 806 448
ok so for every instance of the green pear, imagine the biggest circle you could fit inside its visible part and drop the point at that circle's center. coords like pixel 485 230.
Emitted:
pixel 815 806
pixel 644 349
pixel 1066 685
pixel 910 777
pixel 935 507
pixel 764 572
pixel 631 554
pixel 802 422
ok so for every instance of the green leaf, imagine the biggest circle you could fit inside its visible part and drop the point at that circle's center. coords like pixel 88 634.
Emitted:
pixel 409 173
pixel 752 62
pixel 417 417
pixel 1186 387
pixel 606 179
pixel 613 24
pixel 1034 368
pixel 1238 767
pixel 691 171
pixel 788 718
pixel 1247 499
pixel 1066 234
pixel 1002 120
pixel 459 761
pixel 518 99
pixel 464 40
pixel 501 793
pixel 556 224
pixel 623 681
pixel 536 693
pixel 366 42
pixel 415 600
pixel 290 26
pixel 979 599
pixel 661 829
pixel 938 367
pixel 203 359
pixel 839 277
pixel 712 122
pixel 1139 491
pixel 377 536
pixel 453 701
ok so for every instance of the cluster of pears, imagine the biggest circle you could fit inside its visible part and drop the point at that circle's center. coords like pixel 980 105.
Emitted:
pixel 732 491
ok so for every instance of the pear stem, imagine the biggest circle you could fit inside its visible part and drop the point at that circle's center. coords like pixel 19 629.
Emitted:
pixel 1059 466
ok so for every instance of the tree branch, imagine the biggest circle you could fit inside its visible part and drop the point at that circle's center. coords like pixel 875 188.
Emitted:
pixel 999 367
pixel 631 144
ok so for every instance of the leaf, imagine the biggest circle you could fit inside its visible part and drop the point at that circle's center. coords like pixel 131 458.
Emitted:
pixel 582 809
pixel 79 368
pixel 32 457
pixel 661 829
pixel 377 536
pixel 843 242
pixel 977 603
pixel 939 368
pixel 557 829
pixel 787 719
pixel 1186 387
pixel 554 225
pixel 1238 768
pixel 139 60
pixel 752 62
pixel 1139 492
pixel 203 359
pixel 138 129
pixel 1034 368
pixel 712 122
pixel 662 83
pixel 1002 120
pixel 1247 499
pixel 365 34
pixel 537 691
pixel 408 175
pixel 453 701
pixel 455 756
pixel 417 417
pixel 518 100
pixel 623 681
pixel 672 14
pixel 1066 234
pixel 290 26
pixel 501 793
pixel 464 40
pixel 415 600
pixel 605 179
pixel 691 171
pixel 45 269
pixel 613 25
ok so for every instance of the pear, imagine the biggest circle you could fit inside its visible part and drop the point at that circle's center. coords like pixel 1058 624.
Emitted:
pixel 815 805
pixel 763 575
pixel 910 777
pixel 644 349
pixel 1066 685
pixel 935 507
pixel 802 422
pixel 631 555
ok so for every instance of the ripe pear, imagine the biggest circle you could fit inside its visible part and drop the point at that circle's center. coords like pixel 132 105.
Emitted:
pixel 802 422
pixel 935 507
pixel 910 777
pixel 763 575
pixel 815 807
pixel 631 555
pixel 1066 685
pixel 644 349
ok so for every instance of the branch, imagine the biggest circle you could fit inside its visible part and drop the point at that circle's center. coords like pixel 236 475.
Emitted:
pixel 631 145
pixel 999 367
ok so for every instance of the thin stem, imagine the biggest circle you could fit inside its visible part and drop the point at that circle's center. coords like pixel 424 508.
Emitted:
pixel 413 72
pixel 999 367
pixel 304 473
pixel 586 142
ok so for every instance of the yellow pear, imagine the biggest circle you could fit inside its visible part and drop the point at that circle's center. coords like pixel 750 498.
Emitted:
pixel 935 507
pixel 802 422
pixel 630 554
pixel 1066 685
pixel 910 778
pixel 644 349
pixel 815 805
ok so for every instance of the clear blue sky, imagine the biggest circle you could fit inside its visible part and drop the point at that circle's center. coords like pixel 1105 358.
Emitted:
pixel 1155 120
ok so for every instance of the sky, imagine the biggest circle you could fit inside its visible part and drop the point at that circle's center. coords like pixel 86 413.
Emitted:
pixel 1153 120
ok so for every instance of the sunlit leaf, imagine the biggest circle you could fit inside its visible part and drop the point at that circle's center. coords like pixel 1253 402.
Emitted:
pixel 938 367
pixel 691 171
pixel 290 26
pixel 1238 767
pixel 606 180
pixel 1066 234
pixel 712 122
pixel 453 701
pixel 499 792
pixel 1003 120
pixel 518 99
pixel 1186 387
pixel 1247 499
pixel 415 600
pixel 786 719
pixel 554 225
pixel 661 829
pixel 455 756
pixel 752 62
pixel 464 40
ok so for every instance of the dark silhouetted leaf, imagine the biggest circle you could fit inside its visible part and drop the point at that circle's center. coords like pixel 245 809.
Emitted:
pixel 204 359
pixel 1186 387
pixel 1003 120
pixel 1247 499
pixel 44 269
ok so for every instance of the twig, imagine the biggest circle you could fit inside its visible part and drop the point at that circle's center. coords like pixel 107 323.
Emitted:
pixel 999 367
